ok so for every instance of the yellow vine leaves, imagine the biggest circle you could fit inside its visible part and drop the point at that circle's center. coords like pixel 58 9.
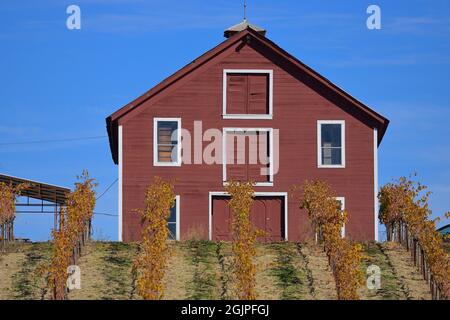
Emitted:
pixel 8 195
pixel 74 222
pixel 327 220
pixel 406 201
pixel 244 238
pixel 150 264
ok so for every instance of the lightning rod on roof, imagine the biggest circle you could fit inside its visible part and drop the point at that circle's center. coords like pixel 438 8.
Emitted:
pixel 245 9
pixel 245 24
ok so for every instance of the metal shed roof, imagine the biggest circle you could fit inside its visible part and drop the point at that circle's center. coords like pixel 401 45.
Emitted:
pixel 39 190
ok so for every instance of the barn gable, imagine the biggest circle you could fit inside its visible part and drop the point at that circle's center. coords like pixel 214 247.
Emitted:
pixel 272 52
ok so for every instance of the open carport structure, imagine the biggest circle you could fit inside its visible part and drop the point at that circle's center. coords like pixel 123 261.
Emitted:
pixel 39 197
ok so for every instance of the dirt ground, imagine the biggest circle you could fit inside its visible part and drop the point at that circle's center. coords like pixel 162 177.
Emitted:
pixel 412 283
pixel 204 270
pixel 322 281
pixel 8 264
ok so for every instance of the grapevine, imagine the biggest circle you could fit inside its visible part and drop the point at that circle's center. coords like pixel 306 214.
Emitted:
pixel 327 220
pixel 74 229
pixel 244 238
pixel 150 264
pixel 8 195
pixel 405 202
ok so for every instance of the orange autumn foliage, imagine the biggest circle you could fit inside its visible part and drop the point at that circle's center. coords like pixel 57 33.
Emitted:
pixel 244 238
pixel 74 223
pixel 327 220
pixel 8 195
pixel 406 202
pixel 150 265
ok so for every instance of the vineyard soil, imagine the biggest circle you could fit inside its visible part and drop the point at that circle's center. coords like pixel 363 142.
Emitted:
pixel 202 270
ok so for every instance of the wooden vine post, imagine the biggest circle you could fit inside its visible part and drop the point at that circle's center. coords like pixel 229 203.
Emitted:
pixel 405 212
pixel 327 220
pixel 150 265
pixel 244 238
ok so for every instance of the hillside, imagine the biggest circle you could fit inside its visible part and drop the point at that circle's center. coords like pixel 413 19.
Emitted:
pixel 202 270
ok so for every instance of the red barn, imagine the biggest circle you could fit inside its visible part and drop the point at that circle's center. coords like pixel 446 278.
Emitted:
pixel 246 110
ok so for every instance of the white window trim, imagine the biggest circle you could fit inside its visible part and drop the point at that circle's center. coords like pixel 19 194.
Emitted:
pixel 257 194
pixel 342 200
pixel 375 180
pixel 247 116
pixel 319 143
pixel 224 155
pixel 120 196
pixel 177 217
pixel 156 163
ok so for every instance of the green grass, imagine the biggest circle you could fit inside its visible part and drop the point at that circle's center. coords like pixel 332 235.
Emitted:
pixel 390 284
pixel 116 270
pixel 28 283
pixel 225 278
pixel 291 279
pixel 207 267
pixel 203 257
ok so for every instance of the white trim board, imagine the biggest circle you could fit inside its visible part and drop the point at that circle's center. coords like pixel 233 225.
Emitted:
pixel 177 204
pixel 375 179
pixel 342 200
pixel 319 143
pixel 271 157
pixel 247 116
pixel 177 219
pixel 257 194
pixel 120 197
pixel 156 163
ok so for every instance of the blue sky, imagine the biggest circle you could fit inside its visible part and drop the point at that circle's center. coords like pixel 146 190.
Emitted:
pixel 57 83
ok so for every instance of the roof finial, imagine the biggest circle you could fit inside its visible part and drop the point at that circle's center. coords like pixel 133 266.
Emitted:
pixel 245 10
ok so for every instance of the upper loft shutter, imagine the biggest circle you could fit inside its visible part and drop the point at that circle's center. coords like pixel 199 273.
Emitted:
pixel 258 94
pixel 258 157
pixel 236 165
pixel 236 93
pixel 247 93
pixel 247 156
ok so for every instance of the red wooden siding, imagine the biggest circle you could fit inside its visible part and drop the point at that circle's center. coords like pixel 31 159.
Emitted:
pixel 297 105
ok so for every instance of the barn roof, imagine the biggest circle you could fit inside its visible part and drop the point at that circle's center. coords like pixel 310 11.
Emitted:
pixel 39 190
pixel 378 121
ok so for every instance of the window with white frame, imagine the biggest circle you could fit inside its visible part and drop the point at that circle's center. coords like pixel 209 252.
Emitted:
pixel 167 142
pixel 247 94
pixel 341 201
pixel 331 143
pixel 173 222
